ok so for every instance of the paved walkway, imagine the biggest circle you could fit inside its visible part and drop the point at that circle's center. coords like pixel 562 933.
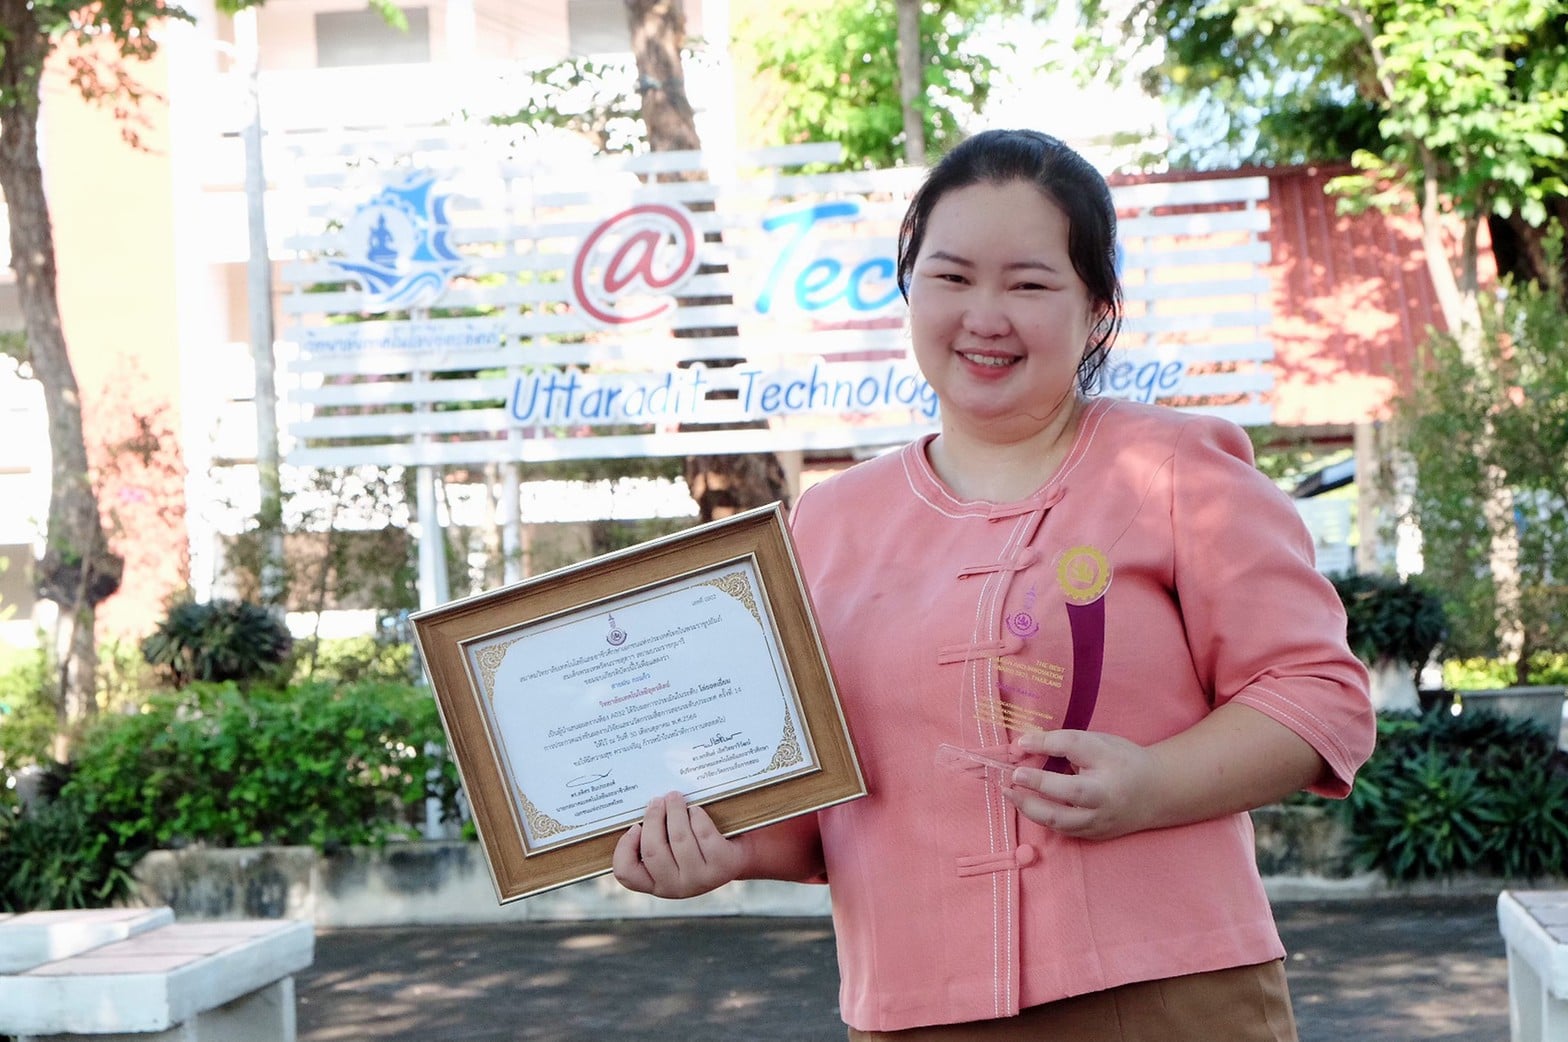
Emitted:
pixel 1430 970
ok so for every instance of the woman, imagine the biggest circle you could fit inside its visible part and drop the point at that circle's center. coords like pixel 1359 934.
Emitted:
pixel 1076 640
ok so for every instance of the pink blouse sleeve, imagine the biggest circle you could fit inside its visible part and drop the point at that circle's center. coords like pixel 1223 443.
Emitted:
pixel 1265 628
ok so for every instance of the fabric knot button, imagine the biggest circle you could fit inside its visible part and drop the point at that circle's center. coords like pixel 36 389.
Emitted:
pixel 1026 855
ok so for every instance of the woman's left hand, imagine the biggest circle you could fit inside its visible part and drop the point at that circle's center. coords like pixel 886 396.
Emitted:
pixel 1234 759
pixel 1112 793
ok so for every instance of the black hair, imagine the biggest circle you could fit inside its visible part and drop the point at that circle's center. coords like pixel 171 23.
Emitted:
pixel 1069 181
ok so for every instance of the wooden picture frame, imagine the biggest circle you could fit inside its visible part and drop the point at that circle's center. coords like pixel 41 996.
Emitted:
pixel 690 662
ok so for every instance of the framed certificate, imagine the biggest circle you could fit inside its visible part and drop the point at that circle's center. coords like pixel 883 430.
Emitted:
pixel 688 663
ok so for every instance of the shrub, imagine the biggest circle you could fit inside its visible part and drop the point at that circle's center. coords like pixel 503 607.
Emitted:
pixel 124 676
pixel 57 855
pixel 1548 667
pixel 27 715
pixel 1477 674
pixel 1446 794
pixel 351 660
pixel 1482 674
pixel 1491 431
pixel 1387 617
pixel 317 764
pixel 217 641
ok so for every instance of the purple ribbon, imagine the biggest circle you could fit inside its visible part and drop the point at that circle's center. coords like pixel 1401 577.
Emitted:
pixel 1087 624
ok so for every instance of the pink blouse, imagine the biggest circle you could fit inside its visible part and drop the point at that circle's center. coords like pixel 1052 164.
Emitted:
pixel 1156 576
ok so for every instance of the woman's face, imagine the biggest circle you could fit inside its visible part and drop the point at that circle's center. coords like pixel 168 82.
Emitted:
pixel 998 316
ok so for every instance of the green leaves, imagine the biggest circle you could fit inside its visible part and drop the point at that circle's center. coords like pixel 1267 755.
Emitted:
pixel 836 65
pixel 59 856
pixel 317 764
pixel 1477 427
pixel 1429 819
pixel 1391 618
pixel 1444 795
pixel 28 719
pixel 1531 825
pixel 218 640
pixel 1471 92
pixel 1461 92
pixel 320 765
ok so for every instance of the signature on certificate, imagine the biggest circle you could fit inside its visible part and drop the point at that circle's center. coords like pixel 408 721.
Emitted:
pixel 718 739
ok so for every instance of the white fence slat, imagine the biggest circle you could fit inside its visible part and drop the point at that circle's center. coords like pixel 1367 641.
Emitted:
pixel 1206 351
pixel 682 443
pixel 1178 257
pixel 646 353
pixel 1199 290
pixel 1193 224
pixel 1196 322
pixel 468 295
pixel 1190 193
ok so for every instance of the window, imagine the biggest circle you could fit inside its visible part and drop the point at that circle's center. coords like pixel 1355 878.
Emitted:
pixel 598 27
pixel 364 38
pixel 16 582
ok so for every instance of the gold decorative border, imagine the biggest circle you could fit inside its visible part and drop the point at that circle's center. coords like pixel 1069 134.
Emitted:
pixel 540 824
pixel 736 585
pixel 489 660
pixel 788 753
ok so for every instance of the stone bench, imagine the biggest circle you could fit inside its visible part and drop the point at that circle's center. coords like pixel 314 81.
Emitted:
pixel 1534 925
pixel 135 975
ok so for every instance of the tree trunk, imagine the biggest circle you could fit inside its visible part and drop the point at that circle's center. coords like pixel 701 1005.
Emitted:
pixel 1458 295
pixel 658 29
pixel 727 484
pixel 911 81
pixel 77 570
pixel 1520 248
pixel 258 292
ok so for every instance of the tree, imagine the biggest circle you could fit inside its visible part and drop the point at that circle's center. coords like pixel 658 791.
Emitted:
pixel 910 82
pixel 1460 104
pixel 1467 428
pixel 721 485
pixel 844 73
pixel 78 570
pixel 1470 99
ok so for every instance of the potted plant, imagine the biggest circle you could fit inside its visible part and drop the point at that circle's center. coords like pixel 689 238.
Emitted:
pixel 1393 625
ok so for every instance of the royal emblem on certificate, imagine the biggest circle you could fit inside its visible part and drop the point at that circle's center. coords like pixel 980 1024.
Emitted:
pixel 689 663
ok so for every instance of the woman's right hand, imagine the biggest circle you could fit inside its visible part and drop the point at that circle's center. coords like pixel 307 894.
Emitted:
pixel 676 851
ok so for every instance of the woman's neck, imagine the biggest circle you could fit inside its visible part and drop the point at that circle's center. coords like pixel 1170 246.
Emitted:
pixel 979 465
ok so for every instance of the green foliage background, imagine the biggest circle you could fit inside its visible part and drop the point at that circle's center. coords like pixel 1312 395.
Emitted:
pixel 218 640
pixel 316 764
pixel 1387 617
pixel 1502 423
pixel 1445 795
pixel 848 92
pixel 347 758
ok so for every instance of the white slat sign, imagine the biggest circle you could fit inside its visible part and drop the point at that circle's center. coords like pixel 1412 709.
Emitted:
pixel 468 298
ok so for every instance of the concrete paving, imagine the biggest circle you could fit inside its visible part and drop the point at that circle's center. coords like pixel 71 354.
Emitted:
pixel 1374 970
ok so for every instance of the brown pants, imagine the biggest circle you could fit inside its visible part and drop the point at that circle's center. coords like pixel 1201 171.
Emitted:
pixel 1245 1004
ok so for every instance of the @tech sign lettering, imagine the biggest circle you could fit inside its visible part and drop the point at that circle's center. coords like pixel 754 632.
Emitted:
pixel 630 263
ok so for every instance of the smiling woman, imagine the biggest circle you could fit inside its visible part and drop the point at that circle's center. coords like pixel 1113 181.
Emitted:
pixel 1010 271
pixel 1081 639
pixel 999 319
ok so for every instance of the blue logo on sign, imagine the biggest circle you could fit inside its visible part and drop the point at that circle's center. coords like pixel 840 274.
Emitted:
pixel 398 246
